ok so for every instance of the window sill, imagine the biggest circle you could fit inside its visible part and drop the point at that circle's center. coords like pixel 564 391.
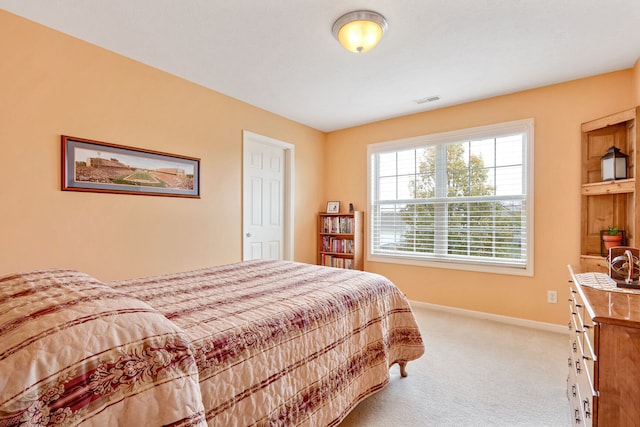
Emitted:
pixel 454 265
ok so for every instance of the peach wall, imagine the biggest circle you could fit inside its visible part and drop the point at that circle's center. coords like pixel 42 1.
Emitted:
pixel 558 111
pixel 53 84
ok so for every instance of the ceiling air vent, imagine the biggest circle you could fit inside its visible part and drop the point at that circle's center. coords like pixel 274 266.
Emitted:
pixel 427 99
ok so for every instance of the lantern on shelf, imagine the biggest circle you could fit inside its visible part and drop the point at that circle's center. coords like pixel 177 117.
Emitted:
pixel 614 164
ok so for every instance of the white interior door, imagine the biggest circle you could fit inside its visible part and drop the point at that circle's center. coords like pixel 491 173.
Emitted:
pixel 267 219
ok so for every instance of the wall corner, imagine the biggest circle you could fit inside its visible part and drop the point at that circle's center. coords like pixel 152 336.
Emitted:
pixel 636 82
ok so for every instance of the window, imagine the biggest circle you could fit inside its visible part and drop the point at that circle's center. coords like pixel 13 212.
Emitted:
pixel 461 199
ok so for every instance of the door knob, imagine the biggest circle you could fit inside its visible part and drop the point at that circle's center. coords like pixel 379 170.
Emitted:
pixel 248 234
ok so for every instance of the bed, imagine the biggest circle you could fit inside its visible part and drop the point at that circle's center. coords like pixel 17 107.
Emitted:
pixel 255 343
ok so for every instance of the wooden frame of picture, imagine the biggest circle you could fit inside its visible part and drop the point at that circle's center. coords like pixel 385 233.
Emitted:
pixel 102 167
pixel 333 207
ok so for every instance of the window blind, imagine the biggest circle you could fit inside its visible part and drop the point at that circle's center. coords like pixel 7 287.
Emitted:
pixel 462 197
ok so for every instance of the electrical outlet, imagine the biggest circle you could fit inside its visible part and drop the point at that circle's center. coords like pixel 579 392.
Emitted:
pixel 552 297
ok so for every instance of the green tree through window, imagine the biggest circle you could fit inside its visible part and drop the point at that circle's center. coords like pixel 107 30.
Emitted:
pixel 472 228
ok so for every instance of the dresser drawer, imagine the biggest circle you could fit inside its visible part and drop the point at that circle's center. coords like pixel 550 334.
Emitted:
pixel 582 324
pixel 574 396
pixel 588 331
pixel 584 409
pixel 580 391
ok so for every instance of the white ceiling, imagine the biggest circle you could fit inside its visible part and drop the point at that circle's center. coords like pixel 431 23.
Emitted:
pixel 280 55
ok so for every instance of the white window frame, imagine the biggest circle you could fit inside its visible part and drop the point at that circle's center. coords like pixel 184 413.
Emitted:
pixel 526 127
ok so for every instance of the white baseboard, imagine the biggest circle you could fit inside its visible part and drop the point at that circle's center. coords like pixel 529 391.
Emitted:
pixel 550 327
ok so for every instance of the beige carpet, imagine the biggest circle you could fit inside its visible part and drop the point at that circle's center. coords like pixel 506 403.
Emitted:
pixel 475 372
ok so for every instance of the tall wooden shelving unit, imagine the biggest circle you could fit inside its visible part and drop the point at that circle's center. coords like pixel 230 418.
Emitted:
pixel 340 240
pixel 608 203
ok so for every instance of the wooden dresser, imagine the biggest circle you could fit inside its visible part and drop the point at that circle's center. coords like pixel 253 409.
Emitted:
pixel 604 363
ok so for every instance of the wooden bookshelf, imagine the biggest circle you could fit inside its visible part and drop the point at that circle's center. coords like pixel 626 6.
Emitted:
pixel 608 203
pixel 340 240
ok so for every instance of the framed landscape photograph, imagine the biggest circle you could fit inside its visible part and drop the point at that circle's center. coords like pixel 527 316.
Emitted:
pixel 109 168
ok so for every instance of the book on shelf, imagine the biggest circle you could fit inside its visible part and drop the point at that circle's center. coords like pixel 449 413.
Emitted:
pixel 338 262
pixel 333 244
pixel 337 224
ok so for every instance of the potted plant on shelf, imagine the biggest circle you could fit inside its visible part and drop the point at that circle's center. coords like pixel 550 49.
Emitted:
pixel 612 237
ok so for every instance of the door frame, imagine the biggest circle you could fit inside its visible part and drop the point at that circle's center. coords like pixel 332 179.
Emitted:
pixel 289 181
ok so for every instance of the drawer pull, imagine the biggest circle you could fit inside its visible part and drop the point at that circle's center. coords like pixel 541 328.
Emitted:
pixel 586 326
pixel 578 369
pixel 574 390
pixel 579 305
pixel 569 325
pixel 577 413
pixel 587 408
pixel 575 347
pixel 569 362
pixel 585 357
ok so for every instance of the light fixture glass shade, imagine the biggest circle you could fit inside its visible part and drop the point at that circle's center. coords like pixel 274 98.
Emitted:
pixel 614 164
pixel 359 31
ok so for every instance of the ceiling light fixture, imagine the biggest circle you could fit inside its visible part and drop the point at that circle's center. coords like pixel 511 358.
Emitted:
pixel 359 31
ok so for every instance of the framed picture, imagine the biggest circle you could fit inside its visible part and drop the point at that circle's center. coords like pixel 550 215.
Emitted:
pixel 333 207
pixel 109 168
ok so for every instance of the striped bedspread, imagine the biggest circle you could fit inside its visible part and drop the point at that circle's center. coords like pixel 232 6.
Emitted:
pixel 267 343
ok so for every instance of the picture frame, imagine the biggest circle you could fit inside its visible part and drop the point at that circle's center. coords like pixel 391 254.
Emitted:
pixel 333 207
pixel 102 167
